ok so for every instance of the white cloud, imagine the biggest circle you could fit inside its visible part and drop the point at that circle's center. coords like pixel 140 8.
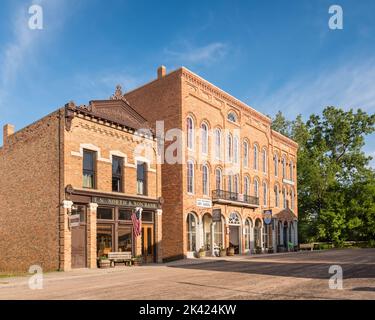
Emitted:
pixel 204 55
pixel 348 86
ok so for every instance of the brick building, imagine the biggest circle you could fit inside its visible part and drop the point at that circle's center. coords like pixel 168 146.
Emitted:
pixel 92 163
pixel 233 168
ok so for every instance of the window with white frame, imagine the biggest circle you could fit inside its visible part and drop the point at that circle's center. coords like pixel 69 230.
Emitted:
pixel 264 160
pixel 276 165
pixel 255 157
pixel 217 143
pixel 205 182
pixel 284 198
pixel 283 161
pixel 229 147
pixel 256 188
pixel 190 176
pixel 292 199
pixel 291 170
pixel 230 182
pixel 245 154
pixel 218 179
pixel 232 117
pixel 235 150
pixel 246 185
pixel 236 184
pixel 204 138
pixel 276 190
pixel 265 194
pixel 190 133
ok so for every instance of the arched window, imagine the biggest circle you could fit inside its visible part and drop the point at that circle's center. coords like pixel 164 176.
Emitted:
pixel 292 199
pixel 245 154
pixel 207 221
pixel 291 170
pixel 255 157
pixel 205 182
pixel 229 147
pixel 235 150
pixel 236 184
pixel 246 185
pixel 265 194
pixel 190 176
pixel 217 143
pixel 219 185
pixel 190 133
pixel 264 160
pixel 204 138
pixel 256 188
pixel 276 190
pixel 284 198
pixel 283 161
pixel 191 232
pixel 218 233
pixel 232 117
pixel 234 218
pixel 276 165
pixel 258 233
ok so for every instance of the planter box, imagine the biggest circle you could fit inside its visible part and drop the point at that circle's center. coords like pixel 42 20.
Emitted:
pixel 104 263
pixel 231 252
pixel 223 253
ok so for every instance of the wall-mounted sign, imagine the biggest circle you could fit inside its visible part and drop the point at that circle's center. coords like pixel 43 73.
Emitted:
pixel 204 203
pixel 125 203
pixel 74 220
pixel 216 215
pixel 267 216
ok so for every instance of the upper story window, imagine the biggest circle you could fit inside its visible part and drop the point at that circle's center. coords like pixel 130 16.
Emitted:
pixel 246 186
pixel 236 184
pixel 265 194
pixel 117 173
pixel 190 176
pixel 230 182
pixel 232 117
pixel 291 170
pixel 256 188
pixel 276 165
pixel 204 138
pixel 89 169
pixel 190 133
pixel 255 157
pixel 245 154
pixel 264 160
pixel 229 147
pixel 292 199
pixel 283 161
pixel 205 180
pixel 218 179
pixel 284 198
pixel 141 178
pixel 276 191
pixel 217 143
pixel 235 150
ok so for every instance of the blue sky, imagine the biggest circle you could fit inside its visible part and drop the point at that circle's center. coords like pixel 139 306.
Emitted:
pixel 273 55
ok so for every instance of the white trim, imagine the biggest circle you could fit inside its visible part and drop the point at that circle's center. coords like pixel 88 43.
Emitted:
pixel 145 160
pixel 288 182
pixel 91 147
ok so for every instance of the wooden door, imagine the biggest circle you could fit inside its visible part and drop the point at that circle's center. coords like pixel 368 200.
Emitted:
pixel 79 246
pixel 148 243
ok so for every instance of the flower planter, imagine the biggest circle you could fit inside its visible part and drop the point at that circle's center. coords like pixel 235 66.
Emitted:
pixel 202 254
pixel 104 263
pixel 230 251
pixel 223 253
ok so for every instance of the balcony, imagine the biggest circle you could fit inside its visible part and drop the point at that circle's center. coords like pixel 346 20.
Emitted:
pixel 222 196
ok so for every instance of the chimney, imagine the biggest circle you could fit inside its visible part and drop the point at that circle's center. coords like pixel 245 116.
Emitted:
pixel 8 130
pixel 162 70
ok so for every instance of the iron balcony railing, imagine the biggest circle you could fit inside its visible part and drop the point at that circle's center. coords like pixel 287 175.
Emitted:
pixel 218 195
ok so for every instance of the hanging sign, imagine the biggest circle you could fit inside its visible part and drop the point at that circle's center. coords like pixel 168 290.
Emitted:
pixel 267 216
pixel 216 215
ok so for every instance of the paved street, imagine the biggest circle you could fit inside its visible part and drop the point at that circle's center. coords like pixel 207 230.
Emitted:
pixel 302 275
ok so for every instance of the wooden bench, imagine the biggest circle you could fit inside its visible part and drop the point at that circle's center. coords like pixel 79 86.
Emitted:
pixel 125 257
pixel 306 246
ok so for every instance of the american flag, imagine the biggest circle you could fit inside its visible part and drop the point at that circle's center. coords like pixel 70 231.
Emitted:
pixel 137 221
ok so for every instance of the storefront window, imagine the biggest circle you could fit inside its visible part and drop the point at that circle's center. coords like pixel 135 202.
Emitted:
pixel 207 221
pixel 104 239
pixel 125 238
pixel 81 210
pixel 258 233
pixel 247 235
pixel 218 233
pixel 105 214
pixel 125 214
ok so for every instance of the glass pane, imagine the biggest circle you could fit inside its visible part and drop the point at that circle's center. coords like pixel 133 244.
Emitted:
pixel 88 160
pixel 81 210
pixel 105 213
pixel 125 214
pixel 147 216
pixel 116 166
pixel 149 241
pixel 104 239
pixel 88 180
pixel 125 238
pixel 116 184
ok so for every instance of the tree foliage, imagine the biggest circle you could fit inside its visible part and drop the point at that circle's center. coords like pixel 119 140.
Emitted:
pixel 336 186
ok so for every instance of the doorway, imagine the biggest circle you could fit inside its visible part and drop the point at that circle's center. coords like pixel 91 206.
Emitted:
pixel 285 234
pixel 79 243
pixel 234 238
pixel 148 243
